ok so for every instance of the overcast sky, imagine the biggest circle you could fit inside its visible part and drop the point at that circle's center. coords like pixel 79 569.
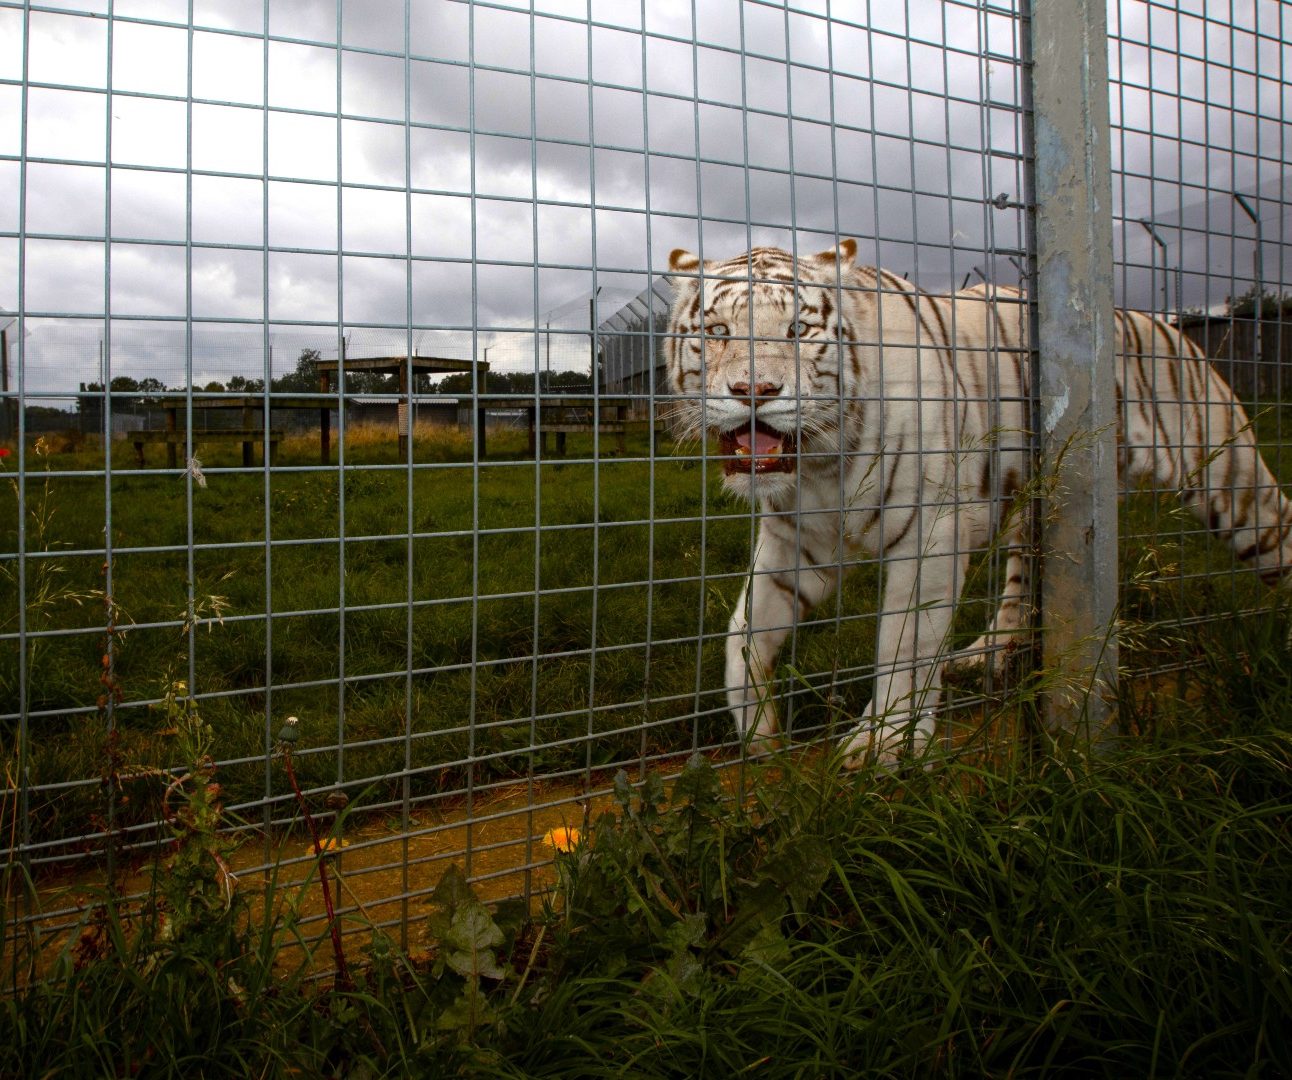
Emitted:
pixel 592 146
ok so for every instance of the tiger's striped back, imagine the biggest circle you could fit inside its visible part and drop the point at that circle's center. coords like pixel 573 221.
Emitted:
pixel 1180 428
pixel 865 415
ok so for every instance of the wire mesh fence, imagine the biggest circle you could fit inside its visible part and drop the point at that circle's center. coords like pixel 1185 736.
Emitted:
pixel 1200 216
pixel 351 374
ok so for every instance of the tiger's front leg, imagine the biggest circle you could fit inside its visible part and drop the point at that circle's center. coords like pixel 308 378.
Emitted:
pixel 777 596
pixel 919 595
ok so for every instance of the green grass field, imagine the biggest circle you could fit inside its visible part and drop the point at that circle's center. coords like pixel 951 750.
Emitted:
pixel 560 559
pixel 501 564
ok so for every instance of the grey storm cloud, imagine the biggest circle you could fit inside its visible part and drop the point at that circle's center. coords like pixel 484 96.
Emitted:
pixel 524 159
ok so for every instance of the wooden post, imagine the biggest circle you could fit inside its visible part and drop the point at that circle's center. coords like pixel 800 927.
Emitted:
pixel 172 424
pixel 406 428
pixel 325 420
pixel 8 428
pixel 247 460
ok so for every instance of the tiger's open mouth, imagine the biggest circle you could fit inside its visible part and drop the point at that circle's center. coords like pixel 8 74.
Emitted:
pixel 756 448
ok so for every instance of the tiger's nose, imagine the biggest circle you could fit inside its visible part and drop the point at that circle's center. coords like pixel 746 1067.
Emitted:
pixel 761 390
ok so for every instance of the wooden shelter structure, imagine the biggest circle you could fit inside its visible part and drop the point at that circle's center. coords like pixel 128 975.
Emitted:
pixel 403 368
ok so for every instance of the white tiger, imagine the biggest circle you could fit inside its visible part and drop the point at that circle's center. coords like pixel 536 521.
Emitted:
pixel 864 416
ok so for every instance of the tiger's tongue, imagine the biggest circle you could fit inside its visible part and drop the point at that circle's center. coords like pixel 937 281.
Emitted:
pixel 759 443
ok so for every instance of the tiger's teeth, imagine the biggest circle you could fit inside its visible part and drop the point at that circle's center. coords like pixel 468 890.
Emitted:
pixel 742 451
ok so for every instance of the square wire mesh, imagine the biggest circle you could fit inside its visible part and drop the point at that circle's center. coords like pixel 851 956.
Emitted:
pixel 1200 209
pixel 334 381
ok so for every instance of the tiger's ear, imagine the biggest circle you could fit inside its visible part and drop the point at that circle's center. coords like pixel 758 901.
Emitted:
pixel 682 265
pixel 844 254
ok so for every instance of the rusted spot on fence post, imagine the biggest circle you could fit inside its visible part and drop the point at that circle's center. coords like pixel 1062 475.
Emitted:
pixel 1072 292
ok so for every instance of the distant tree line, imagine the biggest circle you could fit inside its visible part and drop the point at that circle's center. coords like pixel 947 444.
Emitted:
pixel 1273 306
pixel 304 379
pixel 514 382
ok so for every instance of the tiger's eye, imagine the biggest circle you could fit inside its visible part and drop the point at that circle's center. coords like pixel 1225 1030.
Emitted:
pixel 799 329
pixel 718 330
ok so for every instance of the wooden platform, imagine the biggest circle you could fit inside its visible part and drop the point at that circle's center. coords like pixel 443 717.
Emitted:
pixel 174 438
pixel 561 428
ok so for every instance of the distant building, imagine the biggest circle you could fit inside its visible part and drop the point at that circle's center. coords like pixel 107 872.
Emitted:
pixel 1233 342
pixel 389 410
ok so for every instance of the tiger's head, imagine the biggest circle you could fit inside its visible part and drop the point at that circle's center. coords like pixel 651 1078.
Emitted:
pixel 753 358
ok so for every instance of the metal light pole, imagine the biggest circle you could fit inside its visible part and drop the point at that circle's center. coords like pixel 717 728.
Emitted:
pixel 1258 272
pixel 1166 267
pixel 593 373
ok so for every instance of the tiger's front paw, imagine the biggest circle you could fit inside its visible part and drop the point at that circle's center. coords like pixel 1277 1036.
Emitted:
pixel 759 745
pixel 765 738
pixel 986 652
pixel 886 742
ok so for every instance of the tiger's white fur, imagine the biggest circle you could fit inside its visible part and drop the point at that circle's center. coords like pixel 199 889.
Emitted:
pixel 864 416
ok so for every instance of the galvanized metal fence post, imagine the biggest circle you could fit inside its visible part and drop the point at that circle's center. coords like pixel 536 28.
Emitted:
pixel 1072 297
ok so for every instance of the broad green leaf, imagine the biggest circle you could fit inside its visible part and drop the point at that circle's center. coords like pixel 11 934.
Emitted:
pixel 768 946
pixel 480 963
pixel 698 786
pixel 453 889
pixel 473 928
pixel 689 933
pixel 801 867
